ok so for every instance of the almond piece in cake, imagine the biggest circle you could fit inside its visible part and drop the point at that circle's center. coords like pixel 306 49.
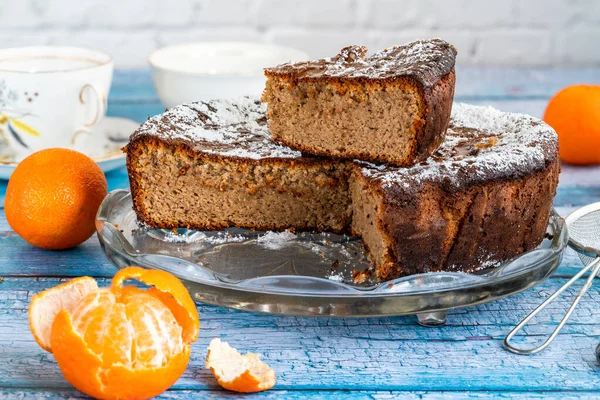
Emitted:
pixel 392 106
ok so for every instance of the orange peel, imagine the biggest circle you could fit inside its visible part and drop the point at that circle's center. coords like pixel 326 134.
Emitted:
pixel 239 373
pixel 171 292
pixel 45 305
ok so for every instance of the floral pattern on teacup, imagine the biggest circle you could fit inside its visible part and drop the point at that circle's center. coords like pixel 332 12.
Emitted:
pixel 11 115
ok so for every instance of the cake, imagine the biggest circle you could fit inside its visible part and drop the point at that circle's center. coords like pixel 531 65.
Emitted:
pixel 483 197
pixel 392 106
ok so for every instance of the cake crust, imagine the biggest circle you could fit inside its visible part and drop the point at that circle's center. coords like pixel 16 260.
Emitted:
pixel 425 61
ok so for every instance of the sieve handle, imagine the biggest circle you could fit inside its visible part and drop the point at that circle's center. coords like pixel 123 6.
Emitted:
pixel 595 267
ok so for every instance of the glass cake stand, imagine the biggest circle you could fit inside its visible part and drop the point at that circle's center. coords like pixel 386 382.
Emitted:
pixel 308 274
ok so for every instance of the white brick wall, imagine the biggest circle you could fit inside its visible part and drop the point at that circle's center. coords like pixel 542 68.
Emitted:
pixel 494 32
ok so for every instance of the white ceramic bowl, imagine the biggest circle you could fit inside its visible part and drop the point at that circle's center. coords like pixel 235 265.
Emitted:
pixel 215 70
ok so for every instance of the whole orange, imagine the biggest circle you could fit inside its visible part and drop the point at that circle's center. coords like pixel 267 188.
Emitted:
pixel 53 196
pixel 574 112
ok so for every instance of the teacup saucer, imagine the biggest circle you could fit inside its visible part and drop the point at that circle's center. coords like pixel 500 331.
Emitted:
pixel 103 146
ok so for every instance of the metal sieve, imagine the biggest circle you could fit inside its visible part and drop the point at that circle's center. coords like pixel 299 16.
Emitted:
pixel 584 237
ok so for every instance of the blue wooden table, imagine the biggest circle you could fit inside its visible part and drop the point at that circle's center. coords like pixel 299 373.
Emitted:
pixel 377 358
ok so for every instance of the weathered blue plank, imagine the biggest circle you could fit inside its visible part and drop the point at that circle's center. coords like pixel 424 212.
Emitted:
pixel 17 257
pixel 16 293
pixel 117 179
pixel 72 394
pixel 138 112
pixel 357 354
pixel 577 196
pixel 534 108
pixel 132 85
pixel 474 83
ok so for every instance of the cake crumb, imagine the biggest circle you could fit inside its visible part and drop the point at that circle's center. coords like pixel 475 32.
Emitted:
pixel 361 276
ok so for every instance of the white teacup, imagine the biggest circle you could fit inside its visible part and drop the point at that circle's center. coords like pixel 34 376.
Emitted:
pixel 50 96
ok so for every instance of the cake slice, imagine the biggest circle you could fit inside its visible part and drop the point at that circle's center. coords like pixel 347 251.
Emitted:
pixel 392 106
pixel 213 165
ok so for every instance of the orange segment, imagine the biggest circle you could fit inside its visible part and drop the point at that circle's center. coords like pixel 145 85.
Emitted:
pixel 171 292
pixel 104 327
pixel 159 334
pixel 45 305
pixel 144 383
pixel 236 372
pixel 75 359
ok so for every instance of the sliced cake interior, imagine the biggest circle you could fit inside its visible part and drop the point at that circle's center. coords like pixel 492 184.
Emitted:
pixel 367 207
pixel 317 116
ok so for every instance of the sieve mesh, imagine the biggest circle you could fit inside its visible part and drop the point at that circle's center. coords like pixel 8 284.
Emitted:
pixel 584 231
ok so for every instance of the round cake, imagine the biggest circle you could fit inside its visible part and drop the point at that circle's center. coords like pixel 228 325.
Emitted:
pixel 483 197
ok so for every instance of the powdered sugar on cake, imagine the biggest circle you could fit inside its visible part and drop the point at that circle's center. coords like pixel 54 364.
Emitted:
pixel 228 128
pixel 481 144
pixel 426 60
